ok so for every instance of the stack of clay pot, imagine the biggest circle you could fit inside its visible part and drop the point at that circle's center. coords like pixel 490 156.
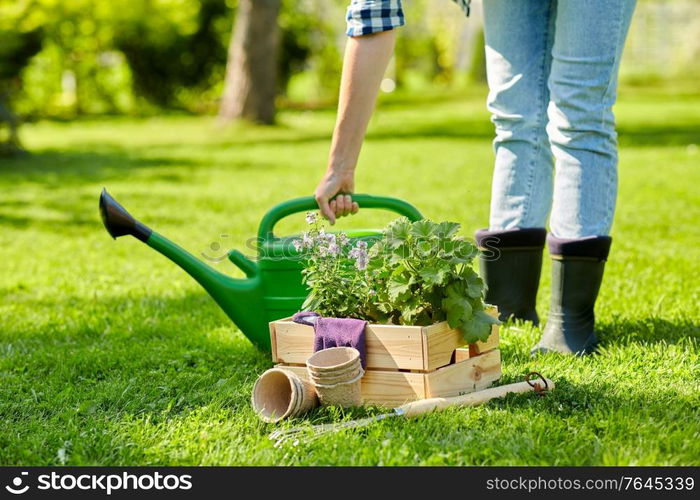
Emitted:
pixel 336 374
pixel 280 394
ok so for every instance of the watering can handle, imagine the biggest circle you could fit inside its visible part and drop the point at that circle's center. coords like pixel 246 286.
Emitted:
pixel 307 203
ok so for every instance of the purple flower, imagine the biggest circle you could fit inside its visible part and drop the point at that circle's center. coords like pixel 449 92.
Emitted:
pixel 310 217
pixel 307 241
pixel 356 252
pixel 333 249
pixel 298 245
pixel 359 253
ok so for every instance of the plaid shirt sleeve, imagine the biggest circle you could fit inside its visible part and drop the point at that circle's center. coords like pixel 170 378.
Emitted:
pixel 372 16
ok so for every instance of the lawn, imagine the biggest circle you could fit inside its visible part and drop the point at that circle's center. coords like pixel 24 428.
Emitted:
pixel 111 355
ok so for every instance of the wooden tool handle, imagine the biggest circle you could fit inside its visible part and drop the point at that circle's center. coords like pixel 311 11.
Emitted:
pixel 423 406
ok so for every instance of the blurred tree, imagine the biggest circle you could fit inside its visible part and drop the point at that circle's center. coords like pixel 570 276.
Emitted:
pixel 164 58
pixel 251 84
pixel 19 42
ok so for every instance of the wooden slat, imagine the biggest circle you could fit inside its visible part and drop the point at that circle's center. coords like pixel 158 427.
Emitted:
pixel 273 340
pixel 462 354
pixel 394 347
pixel 392 388
pixel 384 388
pixel 294 343
pixel 388 346
pixel 468 376
pixel 442 342
pixel 490 344
pixel 426 352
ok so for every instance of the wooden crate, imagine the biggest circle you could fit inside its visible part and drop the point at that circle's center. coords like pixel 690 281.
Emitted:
pixel 389 347
pixel 404 363
pixel 393 388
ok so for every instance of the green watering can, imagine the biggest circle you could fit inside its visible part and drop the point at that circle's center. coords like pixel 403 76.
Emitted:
pixel 272 288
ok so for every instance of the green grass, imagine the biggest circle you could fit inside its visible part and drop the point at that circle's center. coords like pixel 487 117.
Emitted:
pixel 111 355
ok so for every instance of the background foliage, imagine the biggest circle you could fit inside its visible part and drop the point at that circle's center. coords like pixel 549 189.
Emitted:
pixel 139 56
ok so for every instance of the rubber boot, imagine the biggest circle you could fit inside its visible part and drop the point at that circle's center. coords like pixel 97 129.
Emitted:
pixel 510 263
pixel 577 272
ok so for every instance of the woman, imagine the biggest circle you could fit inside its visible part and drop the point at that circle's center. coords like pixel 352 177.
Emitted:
pixel 552 70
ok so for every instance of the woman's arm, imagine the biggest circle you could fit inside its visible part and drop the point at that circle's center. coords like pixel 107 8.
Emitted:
pixel 366 59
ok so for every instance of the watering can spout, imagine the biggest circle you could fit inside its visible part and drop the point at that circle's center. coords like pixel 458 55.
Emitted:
pixel 118 221
pixel 239 298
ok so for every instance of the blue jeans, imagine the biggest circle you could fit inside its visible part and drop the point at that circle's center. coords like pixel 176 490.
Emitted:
pixel 552 71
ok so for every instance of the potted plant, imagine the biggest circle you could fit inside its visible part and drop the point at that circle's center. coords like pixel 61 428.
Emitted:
pixel 423 301
pixel 418 273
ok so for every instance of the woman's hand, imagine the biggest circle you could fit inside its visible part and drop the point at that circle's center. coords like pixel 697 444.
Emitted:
pixel 336 183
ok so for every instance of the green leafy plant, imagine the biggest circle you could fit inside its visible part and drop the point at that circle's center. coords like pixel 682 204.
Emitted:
pixel 418 273
pixel 423 274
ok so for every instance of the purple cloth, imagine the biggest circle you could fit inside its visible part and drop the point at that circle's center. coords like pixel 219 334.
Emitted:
pixel 335 332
